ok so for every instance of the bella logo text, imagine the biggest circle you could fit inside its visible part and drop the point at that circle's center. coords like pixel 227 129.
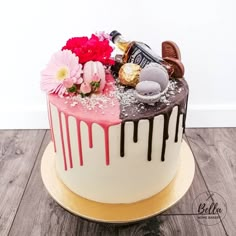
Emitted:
pixel 212 210
pixel 209 208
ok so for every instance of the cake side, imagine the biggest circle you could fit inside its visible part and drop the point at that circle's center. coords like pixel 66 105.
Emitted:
pixel 125 179
pixel 133 159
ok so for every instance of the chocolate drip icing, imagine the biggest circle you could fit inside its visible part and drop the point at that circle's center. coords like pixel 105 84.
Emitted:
pixel 133 113
pixel 135 136
pixel 181 111
pixel 185 115
pixel 149 157
pixel 122 140
pixel 177 124
pixel 165 134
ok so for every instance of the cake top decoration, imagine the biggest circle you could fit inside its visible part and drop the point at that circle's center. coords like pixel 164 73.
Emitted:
pixel 80 71
pixel 79 68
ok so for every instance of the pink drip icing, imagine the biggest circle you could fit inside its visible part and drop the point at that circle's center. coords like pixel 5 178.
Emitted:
pixel 79 142
pixel 110 118
pixel 90 134
pixel 51 127
pixel 106 134
pixel 68 140
pixel 62 141
pixel 106 137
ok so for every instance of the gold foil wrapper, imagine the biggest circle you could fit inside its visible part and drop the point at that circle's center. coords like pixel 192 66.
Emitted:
pixel 129 74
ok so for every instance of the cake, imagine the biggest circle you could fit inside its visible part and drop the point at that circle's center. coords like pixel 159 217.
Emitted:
pixel 110 146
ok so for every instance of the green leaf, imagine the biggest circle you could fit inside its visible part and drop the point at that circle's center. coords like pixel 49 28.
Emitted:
pixel 73 89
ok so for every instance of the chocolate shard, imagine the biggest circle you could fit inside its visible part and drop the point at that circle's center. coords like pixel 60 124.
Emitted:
pixel 177 65
pixel 170 49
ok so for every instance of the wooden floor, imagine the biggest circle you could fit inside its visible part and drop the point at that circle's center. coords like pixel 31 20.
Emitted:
pixel 27 209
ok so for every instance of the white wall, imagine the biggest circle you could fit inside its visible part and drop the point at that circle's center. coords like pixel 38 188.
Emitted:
pixel 205 31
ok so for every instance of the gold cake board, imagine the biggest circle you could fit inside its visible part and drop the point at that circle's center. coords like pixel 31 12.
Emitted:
pixel 118 213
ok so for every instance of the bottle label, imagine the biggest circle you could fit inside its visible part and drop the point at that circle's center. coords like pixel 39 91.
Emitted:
pixel 142 55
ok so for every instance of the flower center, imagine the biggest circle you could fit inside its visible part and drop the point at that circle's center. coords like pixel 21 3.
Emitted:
pixel 62 73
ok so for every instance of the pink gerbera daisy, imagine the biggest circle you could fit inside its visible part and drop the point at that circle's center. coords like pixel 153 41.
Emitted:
pixel 62 71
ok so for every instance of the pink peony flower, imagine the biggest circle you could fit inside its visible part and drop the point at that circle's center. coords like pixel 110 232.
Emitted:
pixel 85 88
pixel 91 49
pixel 61 73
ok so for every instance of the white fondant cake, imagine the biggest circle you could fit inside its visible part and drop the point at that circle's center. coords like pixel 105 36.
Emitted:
pixel 110 146
pixel 89 171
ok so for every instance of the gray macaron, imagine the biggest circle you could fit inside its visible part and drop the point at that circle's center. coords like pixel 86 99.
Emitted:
pixel 154 81
pixel 155 72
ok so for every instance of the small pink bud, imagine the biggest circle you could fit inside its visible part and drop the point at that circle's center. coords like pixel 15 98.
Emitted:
pixel 79 80
pixel 85 88
pixel 68 83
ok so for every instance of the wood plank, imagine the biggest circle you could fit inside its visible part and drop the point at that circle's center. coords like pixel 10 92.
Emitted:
pixel 146 227
pixel 216 150
pixel 18 152
pixel 38 213
pixel 179 225
pixel 159 225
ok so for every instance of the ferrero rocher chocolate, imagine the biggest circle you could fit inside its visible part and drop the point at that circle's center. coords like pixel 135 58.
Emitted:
pixel 129 74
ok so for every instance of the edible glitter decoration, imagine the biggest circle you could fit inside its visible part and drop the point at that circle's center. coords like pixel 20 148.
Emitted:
pixel 129 74
pixel 130 107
